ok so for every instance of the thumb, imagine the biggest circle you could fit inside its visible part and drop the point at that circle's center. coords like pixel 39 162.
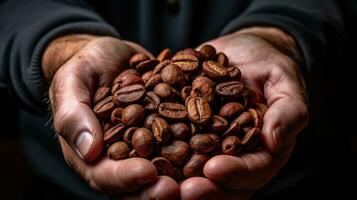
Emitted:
pixel 74 119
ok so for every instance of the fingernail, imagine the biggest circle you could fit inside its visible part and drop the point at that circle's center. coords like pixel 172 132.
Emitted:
pixel 277 136
pixel 83 143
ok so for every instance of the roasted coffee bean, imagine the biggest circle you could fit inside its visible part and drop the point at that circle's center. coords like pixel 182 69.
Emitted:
pixel 251 139
pixel 194 166
pixel 231 145
pixel 118 151
pixel 209 51
pixel 146 76
pixel 231 110
pixel 188 63
pixel 161 66
pixel 128 135
pixel 257 117
pixel 194 128
pixel 230 89
pixel 164 55
pixel 261 107
pixel 106 126
pixel 143 142
pixel 203 87
pixel 222 59
pixel 124 73
pixel 133 115
pixel 129 94
pixel 149 120
pixel 129 79
pixel 199 111
pixel 173 111
pixel 114 134
pixel 204 142
pixel 115 117
pixel 164 167
pixel 193 52
pixel 133 154
pixel 180 131
pixel 234 73
pixel 215 70
pixel 178 152
pixel 185 92
pixel 151 102
pixel 138 58
pixel 161 130
pixel 104 108
pixel 173 75
pixel 100 94
pixel 217 125
pixel 233 128
pixel 146 65
pixel 153 81
pixel 164 90
pixel 243 119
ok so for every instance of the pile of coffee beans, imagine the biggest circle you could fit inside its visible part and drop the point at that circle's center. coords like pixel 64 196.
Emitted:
pixel 178 111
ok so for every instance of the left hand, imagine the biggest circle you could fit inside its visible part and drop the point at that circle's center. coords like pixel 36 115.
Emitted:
pixel 278 80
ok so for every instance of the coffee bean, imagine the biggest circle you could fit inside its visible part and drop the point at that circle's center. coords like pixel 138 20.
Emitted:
pixel 178 152
pixel 114 134
pixel 231 110
pixel 173 75
pixel 231 145
pixel 146 76
pixel 100 94
pixel 137 58
pixel 261 107
pixel 133 154
pixel 161 66
pixel 217 125
pixel 188 63
pixel 180 131
pixel 230 89
pixel 143 142
pixel 234 73
pixel 115 117
pixel 133 115
pixel 193 52
pixel 233 128
pixel 129 94
pixel 185 92
pixel 251 139
pixel 203 87
pixel 173 111
pixel 151 102
pixel 215 70
pixel 128 135
pixel 194 166
pixel 129 79
pixel 161 130
pixel 199 111
pixel 149 120
pixel 118 151
pixel 244 119
pixel 153 81
pixel 164 55
pixel 257 117
pixel 209 51
pixel 204 142
pixel 164 90
pixel 104 108
pixel 146 65
pixel 164 167
pixel 222 59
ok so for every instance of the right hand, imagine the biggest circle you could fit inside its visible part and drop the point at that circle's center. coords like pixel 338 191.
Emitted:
pixel 76 69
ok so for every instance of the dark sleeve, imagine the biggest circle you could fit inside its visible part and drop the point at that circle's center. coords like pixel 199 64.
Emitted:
pixel 26 28
pixel 316 26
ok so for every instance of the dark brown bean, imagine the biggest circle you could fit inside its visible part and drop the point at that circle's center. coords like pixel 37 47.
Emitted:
pixel 203 87
pixel 185 92
pixel 173 111
pixel 215 70
pixel 164 90
pixel 193 52
pixel 151 102
pixel 231 110
pixel 188 63
pixel 194 166
pixel 100 94
pixel 114 134
pixel 244 119
pixel 129 94
pixel 133 154
pixel 230 89
pixel 234 73
pixel 257 117
pixel 153 81
pixel 149 119
pixel 233 128
pixel 209 51
pixel 160 66
pixel 204 142
pixel 146 76
pixel 164 167
pixel 261 107
pixel 143 142
pixel 180 131
pixel 231 145
pixel 217 125
pixel 164 55
pixel 137 58
pixel 115 117
pixel 178 152
pixel 128 135
pixel 173 75
pixel 118 151
pixel 199 111
pixel 146 65
pixel 106 126
pixel 104 108
pixel 129 79
pixel 251 139
pixel 161 130
pixel 124 73
pixel 133 115
pixel 222 59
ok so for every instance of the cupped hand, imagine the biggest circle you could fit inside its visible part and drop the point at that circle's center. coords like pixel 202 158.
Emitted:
pixel 77 65
pixel 258 52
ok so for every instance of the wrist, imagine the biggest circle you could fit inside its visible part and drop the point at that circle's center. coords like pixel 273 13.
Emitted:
pixel 281 40
pixel 60 50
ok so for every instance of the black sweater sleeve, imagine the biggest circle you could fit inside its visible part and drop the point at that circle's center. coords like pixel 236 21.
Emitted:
pixel 316 26
pixel 26 28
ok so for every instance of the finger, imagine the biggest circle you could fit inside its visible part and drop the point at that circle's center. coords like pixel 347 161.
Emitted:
pixel 249 171
pixel 108 175
pixel 198 188
pixel 74 119
pixel 162 188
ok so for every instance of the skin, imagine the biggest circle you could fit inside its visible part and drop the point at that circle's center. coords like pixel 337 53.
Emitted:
pixel 264 55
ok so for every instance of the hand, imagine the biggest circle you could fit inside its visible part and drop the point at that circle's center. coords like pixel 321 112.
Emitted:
pixel 277 79
pixel 78 64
